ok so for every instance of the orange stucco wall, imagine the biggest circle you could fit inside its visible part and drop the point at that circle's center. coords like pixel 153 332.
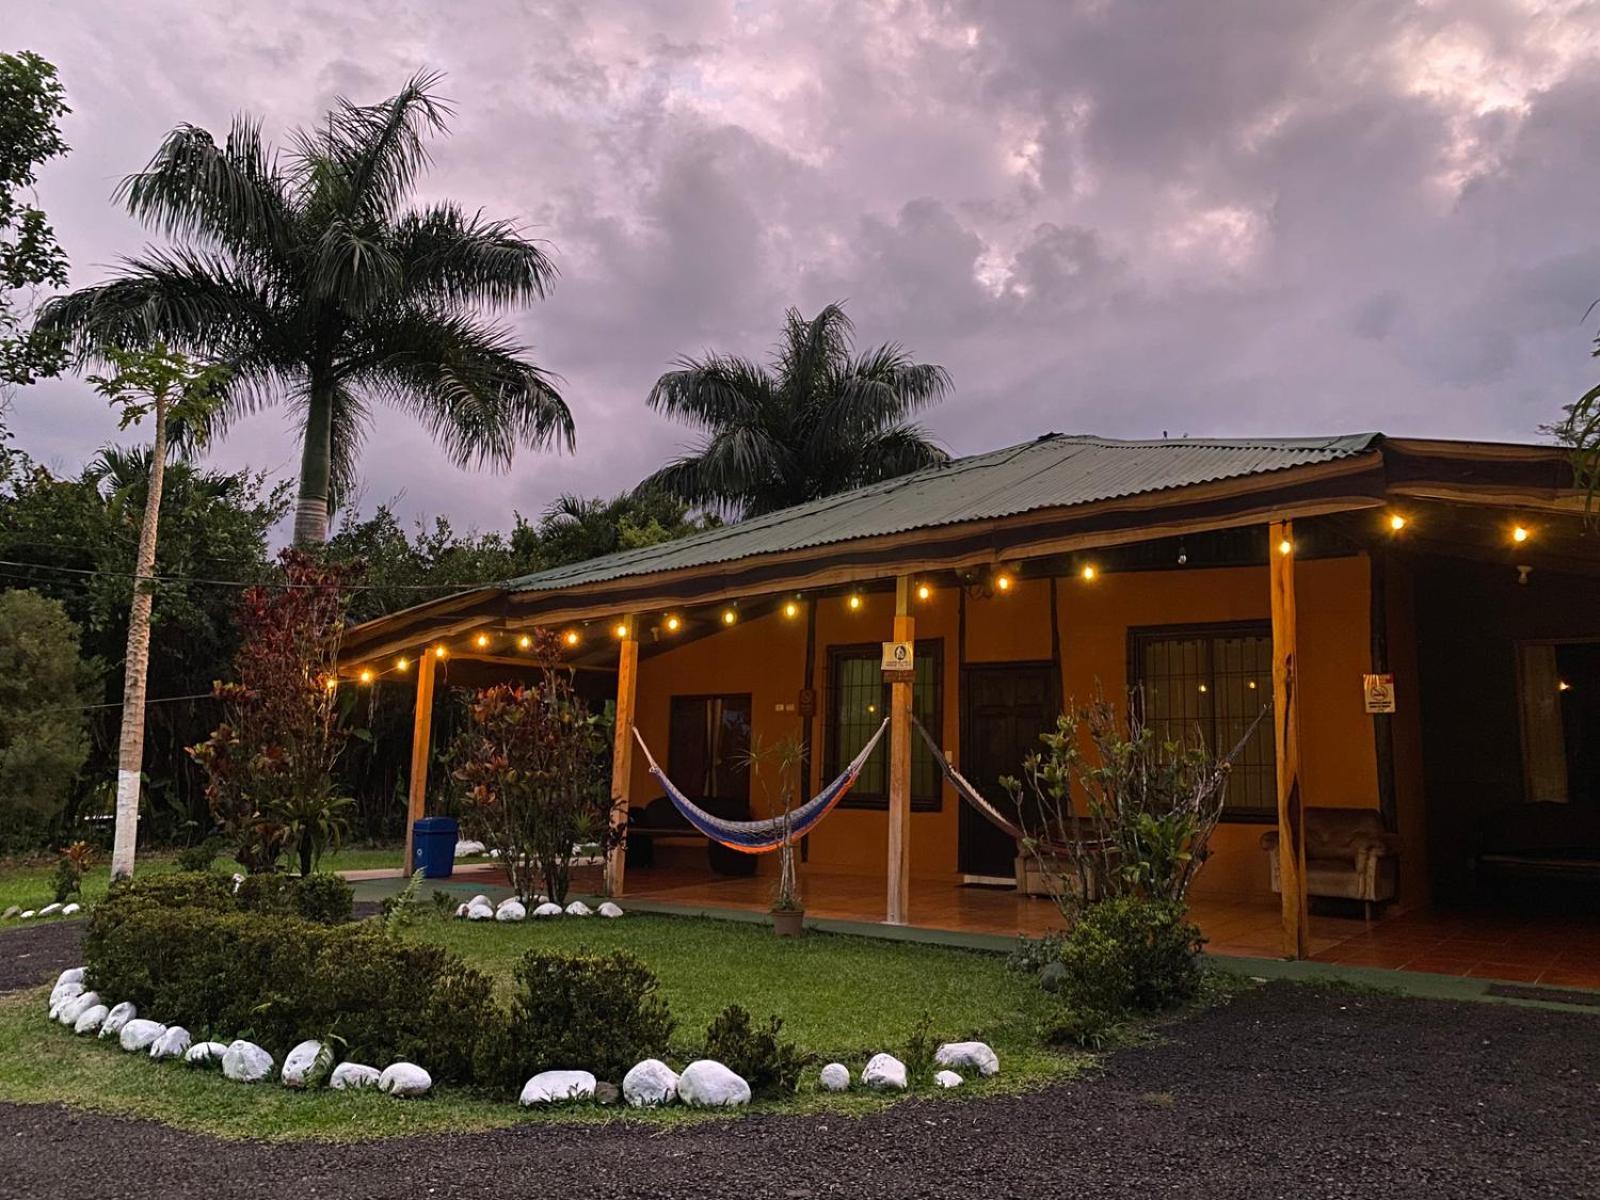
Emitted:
pixel 766 658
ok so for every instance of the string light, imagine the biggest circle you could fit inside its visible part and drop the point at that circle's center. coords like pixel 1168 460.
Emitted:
pixel 524 641
pixel 571 638
pixel 1520 534
pixel 438 651
pixel 332 683
pixel 402 664
pixel 1089 573
pixel 672 624
pixel 621 629
pixel 729 616
pixel 791 610
pixel 366 675
pixel 1396 522
pixel 923 591
pixel 1563 686
pixel 855 601
pixel 1002 582
pixel 1285 546
pixel 482 640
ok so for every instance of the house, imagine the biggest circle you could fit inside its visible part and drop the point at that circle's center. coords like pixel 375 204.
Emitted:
pixel 1220 575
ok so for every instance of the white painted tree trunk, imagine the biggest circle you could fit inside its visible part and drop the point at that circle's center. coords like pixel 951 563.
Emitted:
pixel 130 747
pixel 310 521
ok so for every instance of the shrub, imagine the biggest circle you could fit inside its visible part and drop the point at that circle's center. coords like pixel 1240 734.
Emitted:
pixel 270 894
pixel 181 889
pixel 1128 956
pixel 281 979
pixel 199 856
pixel 919 1051
pixel 770 1065
pixel 592 1012
pixel 1032 955
pixel 67 879
pixel 326 899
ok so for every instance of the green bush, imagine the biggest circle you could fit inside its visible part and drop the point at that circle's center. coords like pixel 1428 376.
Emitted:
pixel 269 893
pixel 281 979
pixel 324 898
pixel 770 1065
pixel 180 889
pixel 1126 956
pixel 592 1012
pixel 199 856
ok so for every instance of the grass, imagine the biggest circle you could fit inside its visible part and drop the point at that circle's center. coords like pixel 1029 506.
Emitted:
pixel 841 998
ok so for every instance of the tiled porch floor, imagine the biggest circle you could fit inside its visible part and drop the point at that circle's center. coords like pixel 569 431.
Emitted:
pixel 1554 949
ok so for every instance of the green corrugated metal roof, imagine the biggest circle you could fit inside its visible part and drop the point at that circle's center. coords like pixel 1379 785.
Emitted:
pixel 1053 471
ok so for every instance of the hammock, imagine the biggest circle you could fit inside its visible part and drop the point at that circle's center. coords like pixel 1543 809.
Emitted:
pixel 970 794
pixel 759 837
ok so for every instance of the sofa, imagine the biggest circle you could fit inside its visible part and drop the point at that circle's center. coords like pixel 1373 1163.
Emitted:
pixel 1349 856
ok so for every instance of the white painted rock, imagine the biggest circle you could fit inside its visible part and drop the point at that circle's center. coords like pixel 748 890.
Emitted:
pixel 511 910
pixel 494 854
pixel 119 1016
pixel 835 1077
pixel 480 898
pixel 547 910
pixel 579 909
pixel 63 993
pixel 139 1034
pixel 479 912
pixel 650 1083
pixel 461 910
pixel 709 1084
pixel 237 880
pixel 71 910
pixel 404 1079
pixel 72 1009
pixel 89 1020
pixel 349 1076
pixel 968 1056
pixel 11 911
pixel 468 848
pixel 885 1072
pixel 51 909
pixel 552 1087
pixel 948 1079
pixel 26 914
pixel 71 975
pixel 174 1043
pixel 299 1062
pixel 205 1054
pixel 246 1062
pixel 609 910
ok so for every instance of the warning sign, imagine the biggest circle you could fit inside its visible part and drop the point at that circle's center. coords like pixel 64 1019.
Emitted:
pixel 899 661
pixel 1379 691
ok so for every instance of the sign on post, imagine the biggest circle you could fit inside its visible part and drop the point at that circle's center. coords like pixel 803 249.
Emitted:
pixel 1379 692
pixel 899 662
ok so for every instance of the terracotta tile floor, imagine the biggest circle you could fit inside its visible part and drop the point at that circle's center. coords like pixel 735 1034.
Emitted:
pixel 1556 949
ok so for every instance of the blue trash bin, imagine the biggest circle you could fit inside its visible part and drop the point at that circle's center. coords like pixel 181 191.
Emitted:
pixel 433 846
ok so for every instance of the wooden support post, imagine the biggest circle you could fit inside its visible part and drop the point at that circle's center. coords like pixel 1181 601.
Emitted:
pixel 622 756
pixel 421 750
pixel 900 694
pixel 1286 740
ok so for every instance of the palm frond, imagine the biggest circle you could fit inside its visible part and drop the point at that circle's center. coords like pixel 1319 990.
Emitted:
pixel 380 149
pixel 713 391
pixel 447 255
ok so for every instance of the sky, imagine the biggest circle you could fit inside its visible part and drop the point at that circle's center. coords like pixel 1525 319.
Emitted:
pixel 1285 217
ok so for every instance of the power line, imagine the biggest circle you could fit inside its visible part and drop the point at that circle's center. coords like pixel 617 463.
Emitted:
pixel 120 704
pixel 247 583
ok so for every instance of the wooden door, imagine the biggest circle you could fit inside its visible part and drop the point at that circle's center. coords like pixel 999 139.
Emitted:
pixel 1005 707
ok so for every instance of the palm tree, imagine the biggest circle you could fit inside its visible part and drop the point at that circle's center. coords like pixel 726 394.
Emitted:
pixel 307 275
pixel 819 420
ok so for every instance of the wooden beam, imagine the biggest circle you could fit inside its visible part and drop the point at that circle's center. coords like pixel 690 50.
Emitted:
pixel 1286 741
pixel 900 695
pixel 622 755
pixel 1382 723
pixel 421 752
pixel 808 722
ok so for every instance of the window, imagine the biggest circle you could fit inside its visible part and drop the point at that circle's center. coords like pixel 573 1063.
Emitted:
pixel 1214 680
pixel 707 741
pixel 858 701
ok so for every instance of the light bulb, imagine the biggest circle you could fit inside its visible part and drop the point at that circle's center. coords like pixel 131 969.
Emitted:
pixel 572 637
pixel 524 641
pixel 401 664
pixel 1089 573
pixel 1519 534
pixel 791 610
pixel 438 651
pixel 1285 546
pixel 621 629
pixel 366 675
pixel 729 616
pixel 1396 522
pixel 672 624
pixel 855 601
pixel 1003 582
pixel 483 640
pixel 923 591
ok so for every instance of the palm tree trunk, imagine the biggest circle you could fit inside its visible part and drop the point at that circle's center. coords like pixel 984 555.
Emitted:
pixel 316 467
pixel 130 747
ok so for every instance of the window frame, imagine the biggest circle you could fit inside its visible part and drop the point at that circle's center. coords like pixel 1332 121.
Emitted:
pixel 871 801
pixel 1139 636
pixel 701 697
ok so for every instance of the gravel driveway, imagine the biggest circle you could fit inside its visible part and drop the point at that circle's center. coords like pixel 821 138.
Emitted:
pixel 1285 1092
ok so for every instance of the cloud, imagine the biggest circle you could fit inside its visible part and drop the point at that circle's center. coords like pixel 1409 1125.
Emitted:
pixel 1220 218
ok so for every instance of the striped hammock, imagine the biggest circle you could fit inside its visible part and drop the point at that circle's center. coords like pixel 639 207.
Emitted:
pixel 760 837
pixel 967 792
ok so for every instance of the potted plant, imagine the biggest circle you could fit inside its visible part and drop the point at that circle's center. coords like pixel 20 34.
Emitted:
pixel 777 767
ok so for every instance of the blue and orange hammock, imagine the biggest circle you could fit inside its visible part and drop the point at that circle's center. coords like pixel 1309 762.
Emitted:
pixel 760 837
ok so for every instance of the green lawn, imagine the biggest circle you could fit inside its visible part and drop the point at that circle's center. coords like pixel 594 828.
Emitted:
pixel 841 997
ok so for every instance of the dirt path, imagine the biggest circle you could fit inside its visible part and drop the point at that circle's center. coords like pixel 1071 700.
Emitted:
pixel 1286 1092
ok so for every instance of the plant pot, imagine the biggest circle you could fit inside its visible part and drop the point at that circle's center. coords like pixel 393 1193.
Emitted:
pixel 788 922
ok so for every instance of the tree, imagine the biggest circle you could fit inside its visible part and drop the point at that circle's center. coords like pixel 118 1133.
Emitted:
pixel 575 528
pixel 818 421
pixel 177 395
pixel 31 103
pixel 42 739
pixel 309 277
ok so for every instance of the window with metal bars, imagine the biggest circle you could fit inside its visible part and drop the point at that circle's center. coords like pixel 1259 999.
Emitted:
pixel 857 702
pixel 1212 680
